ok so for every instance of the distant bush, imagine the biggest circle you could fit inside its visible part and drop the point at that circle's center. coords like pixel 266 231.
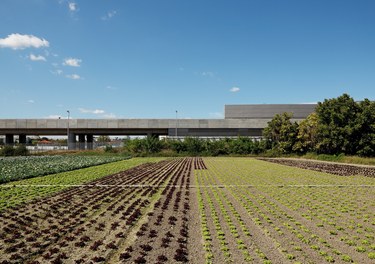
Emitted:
pixel 7 151
pixel 21 150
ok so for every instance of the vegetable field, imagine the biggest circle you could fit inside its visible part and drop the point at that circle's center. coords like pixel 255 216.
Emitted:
pixel 17 168
pixel 191 210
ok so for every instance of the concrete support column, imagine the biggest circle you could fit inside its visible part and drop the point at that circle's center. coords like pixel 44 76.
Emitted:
pixel 71 141
pixel 81 140
pixel 90 141
pixel 9 139
pixel 22 139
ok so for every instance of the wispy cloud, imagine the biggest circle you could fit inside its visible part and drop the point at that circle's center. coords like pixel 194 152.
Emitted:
pixel 91 111
pixel 31 101
pixel 37 57
pixel 73 7
pixel 234 89
pixel 73 62
pixel 17 41
pixel 109 15
pixel 74 76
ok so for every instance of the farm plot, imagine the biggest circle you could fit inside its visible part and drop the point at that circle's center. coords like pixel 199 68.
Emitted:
pixel 255 211
pixel 100 220
pixel 17 168
pixel 194 210
pixel 18 192
pixel 333 168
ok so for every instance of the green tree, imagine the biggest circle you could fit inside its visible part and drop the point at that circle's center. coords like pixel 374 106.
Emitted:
pixel 194 145
pixel 307 134
pixel 152 144
pixel 338 128
pixel 281 133
pixel 366 122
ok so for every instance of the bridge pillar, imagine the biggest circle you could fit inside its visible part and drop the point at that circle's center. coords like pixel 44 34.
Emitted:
pixel 90 141
pixel 71 141
pixel 81 141
pixel 22 139
pixel 9 139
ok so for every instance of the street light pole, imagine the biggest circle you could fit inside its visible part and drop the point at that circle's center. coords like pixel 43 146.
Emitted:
pixel 67 129
pixel 176 124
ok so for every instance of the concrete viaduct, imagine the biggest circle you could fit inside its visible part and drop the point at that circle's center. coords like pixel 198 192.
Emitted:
pixel 240 120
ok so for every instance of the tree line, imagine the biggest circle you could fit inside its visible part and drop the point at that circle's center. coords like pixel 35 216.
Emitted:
pixel 338 126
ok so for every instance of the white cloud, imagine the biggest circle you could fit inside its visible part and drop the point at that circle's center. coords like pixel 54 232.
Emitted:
pixel 90 111
pixel 74 76
pixel 234 89
pixel 31 101
pixel 109 15
pixel 37 57
pixel 73 7
pixel 72 62
pixel 18 41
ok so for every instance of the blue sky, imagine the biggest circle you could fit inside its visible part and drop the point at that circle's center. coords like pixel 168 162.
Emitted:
pixel 149 58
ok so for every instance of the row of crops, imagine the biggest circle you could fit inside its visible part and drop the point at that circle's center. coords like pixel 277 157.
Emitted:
pixel 188 210
pixel 254 211
pixel 17 168
pixel 98 223
pixel 22 191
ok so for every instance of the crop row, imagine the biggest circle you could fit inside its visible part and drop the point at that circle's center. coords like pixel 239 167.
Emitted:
pixel 321 223
pixel 164 238
pixel 22 191
pixel 17 168
pixel 82 224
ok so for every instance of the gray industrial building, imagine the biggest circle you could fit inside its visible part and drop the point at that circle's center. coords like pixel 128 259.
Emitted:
pixel 267 111
pixel 240 120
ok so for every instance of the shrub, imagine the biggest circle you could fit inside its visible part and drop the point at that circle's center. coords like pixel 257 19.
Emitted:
pixel 7 151
pixel 21 150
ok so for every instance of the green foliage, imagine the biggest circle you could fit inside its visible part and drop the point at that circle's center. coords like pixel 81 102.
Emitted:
pixel 7 151
pixel 366 122
pixel 109 148
pixel 340 125
pixel 12 195
pixel 21 150
pixel 194 146
pixel 281 133
pixel 138 146
pixel 16 168
pixel 307 134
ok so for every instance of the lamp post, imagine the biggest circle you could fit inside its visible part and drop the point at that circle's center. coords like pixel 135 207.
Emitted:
pixel 176 124
pixel 67 129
